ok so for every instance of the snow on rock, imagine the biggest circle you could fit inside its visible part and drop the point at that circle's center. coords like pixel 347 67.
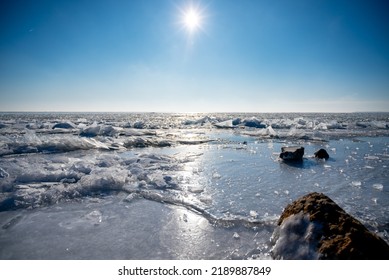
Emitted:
pixel 296 238
pixel 315 227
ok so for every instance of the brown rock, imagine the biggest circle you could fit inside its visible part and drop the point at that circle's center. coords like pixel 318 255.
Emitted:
pixel 341 236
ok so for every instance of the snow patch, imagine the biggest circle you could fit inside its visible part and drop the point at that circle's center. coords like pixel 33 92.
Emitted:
pixel 296 239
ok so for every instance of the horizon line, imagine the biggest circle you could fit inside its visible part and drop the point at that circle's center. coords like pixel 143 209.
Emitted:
pixel 196 112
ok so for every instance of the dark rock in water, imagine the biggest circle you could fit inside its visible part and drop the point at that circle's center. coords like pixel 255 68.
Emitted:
pixel 63 125
pixel 292 153
pixel 337 235
pixel 322 154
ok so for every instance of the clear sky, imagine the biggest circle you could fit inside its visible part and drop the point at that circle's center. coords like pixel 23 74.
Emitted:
pixel 224 56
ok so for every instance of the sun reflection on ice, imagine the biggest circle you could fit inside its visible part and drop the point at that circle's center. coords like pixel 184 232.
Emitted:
pixel 190 235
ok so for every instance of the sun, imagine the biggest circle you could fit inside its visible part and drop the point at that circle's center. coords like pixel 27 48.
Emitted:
pixel 192 19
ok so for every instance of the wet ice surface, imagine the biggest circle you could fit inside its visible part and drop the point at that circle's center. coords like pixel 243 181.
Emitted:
pixel 109 228
pixel 177 186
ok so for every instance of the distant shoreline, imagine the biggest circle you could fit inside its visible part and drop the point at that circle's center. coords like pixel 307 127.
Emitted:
pixel 166 112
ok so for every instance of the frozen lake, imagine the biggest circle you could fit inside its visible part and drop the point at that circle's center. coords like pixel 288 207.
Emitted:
pixel 154 186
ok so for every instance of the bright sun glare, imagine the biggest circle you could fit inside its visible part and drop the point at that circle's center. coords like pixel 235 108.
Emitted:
pixel 192 19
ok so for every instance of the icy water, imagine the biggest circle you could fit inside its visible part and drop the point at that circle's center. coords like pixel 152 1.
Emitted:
pixel 178 186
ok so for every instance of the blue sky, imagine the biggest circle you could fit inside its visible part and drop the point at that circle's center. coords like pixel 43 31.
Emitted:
pixel 246 56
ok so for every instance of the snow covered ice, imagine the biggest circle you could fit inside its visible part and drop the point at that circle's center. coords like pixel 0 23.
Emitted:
pixel 178 186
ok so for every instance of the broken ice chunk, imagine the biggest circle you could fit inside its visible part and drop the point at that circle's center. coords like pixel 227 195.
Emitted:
pixel 379 187
pixel 356 183
pixel 253 214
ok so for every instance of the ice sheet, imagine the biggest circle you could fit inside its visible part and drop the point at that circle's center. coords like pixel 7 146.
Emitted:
pixel 227 178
